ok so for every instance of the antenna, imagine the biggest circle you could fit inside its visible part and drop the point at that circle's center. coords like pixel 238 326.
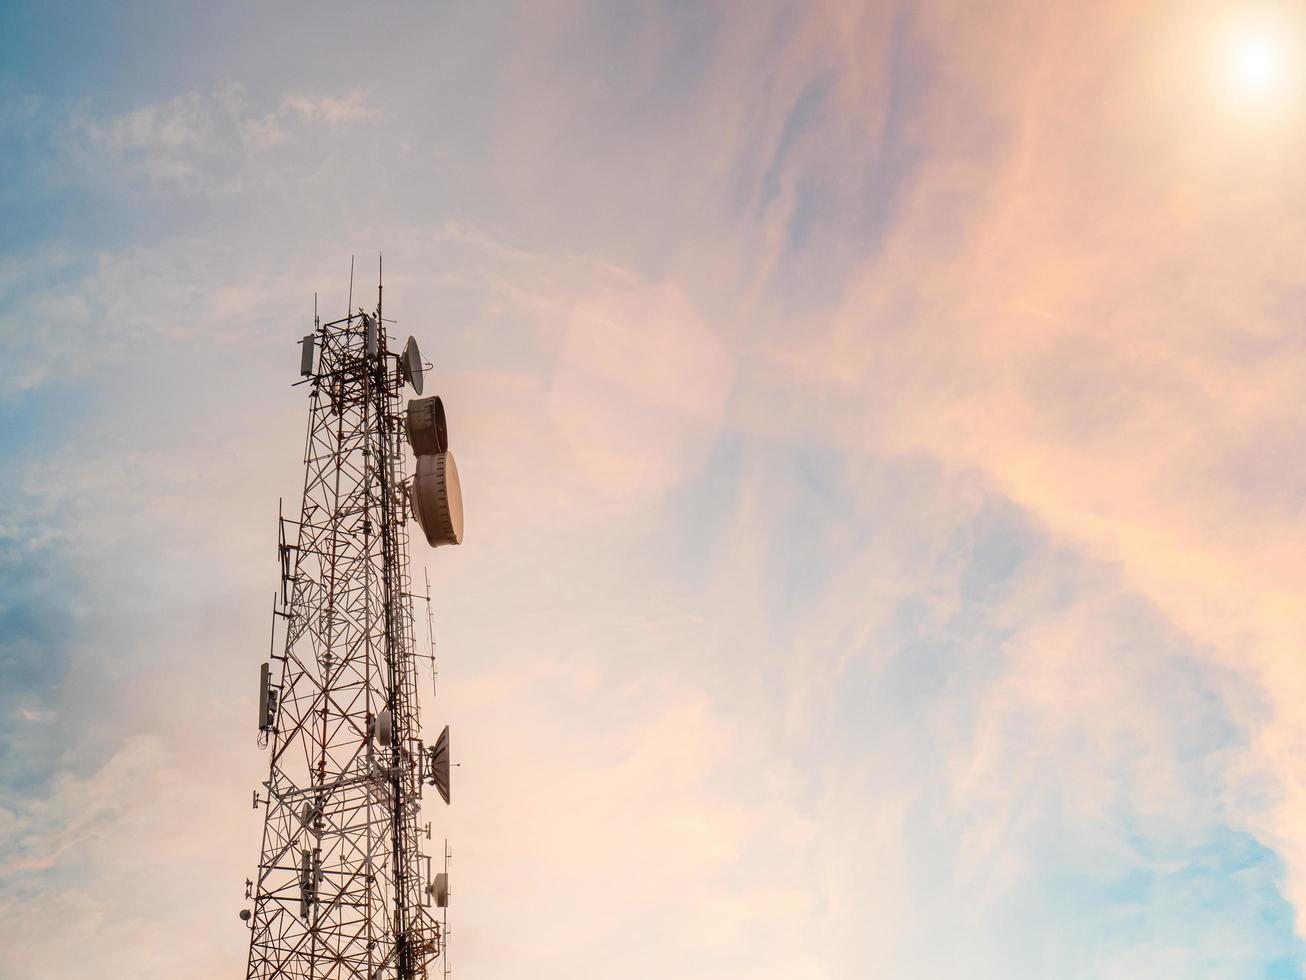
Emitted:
pixel 448 856
pixel 343 887
pixel 437 499
pixel 430 630
pixel 437 764
pixel 411 367
pixel 428 432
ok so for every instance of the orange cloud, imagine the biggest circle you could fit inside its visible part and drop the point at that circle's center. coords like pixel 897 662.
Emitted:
pixel 1103 319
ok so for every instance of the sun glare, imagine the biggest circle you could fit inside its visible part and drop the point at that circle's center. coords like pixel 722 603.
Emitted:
pixel 1257 64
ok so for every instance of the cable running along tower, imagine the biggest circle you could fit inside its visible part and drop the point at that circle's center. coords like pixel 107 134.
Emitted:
pixel 343 888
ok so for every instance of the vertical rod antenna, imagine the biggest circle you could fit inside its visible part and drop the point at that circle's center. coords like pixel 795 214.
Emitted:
pixel 430 633
pixel 349 309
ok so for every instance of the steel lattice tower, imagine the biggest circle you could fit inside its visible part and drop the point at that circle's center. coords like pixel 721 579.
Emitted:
pixel 343 888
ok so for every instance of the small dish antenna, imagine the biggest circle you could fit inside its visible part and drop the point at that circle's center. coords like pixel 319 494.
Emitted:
pixel 437 765
pixel 428 433
pixel 437 499
pixel 410 365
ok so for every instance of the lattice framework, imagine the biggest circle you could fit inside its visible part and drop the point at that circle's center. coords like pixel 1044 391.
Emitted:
pixel 342 882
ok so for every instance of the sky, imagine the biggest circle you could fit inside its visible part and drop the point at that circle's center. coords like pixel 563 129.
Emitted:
pixel 879 432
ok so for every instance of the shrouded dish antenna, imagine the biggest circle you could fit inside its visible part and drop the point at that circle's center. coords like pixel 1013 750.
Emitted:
pixel 428 433
pixel 410 365
pixel 437 499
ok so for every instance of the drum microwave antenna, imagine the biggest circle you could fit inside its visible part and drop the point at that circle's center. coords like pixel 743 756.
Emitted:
pixel 344 889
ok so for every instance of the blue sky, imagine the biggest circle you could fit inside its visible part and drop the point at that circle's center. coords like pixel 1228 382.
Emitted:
pixel 876 425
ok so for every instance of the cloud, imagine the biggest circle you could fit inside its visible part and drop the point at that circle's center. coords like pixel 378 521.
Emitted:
pixel 103 854
pixel 639 387
pixel 345 111
pixel 37 715
pixel 997 733
pixel 1086 330
pixel 880 516
pixel 207 143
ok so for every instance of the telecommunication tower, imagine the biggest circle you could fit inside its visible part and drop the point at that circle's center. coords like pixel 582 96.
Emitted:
pixel 343 888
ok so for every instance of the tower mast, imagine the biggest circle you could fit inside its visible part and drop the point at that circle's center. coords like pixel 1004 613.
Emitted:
pixel 342 888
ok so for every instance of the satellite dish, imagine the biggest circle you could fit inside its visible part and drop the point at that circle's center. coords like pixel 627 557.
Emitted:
pixel 427 431
pixel 438 765
pixel 385 732
pixel 437 499
pixel 410 365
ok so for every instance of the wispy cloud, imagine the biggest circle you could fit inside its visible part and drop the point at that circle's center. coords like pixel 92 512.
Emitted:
pixel 876 426
pixel 211 143
pixel 346 111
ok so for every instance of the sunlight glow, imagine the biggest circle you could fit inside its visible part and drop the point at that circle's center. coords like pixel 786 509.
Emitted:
pixel 1258 63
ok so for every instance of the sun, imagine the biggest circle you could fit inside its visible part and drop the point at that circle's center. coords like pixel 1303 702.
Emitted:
pixel 1257 64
